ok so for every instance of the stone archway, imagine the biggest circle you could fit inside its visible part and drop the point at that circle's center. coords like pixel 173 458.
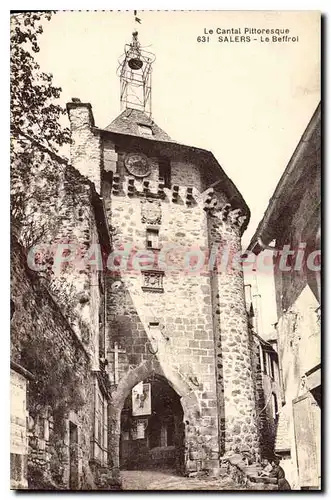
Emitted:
pixel 153 439
pixel 188 399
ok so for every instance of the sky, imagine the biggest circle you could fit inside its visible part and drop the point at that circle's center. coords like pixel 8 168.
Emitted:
pixel 248 103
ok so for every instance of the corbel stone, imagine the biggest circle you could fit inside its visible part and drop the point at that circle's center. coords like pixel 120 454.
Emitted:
pixel 189 196
pixel 116 184
pixel 233 217
pixel 131 188
pixel 146 186
pixel 160 188
pixel 175 193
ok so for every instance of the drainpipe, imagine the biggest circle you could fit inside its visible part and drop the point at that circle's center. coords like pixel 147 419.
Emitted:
pixel 248 296
pixel 257 314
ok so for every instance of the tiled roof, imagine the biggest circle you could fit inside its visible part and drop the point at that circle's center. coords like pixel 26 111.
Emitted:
pixel 128 123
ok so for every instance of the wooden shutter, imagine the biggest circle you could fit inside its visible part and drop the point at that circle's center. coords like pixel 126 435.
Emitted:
pixel 306 437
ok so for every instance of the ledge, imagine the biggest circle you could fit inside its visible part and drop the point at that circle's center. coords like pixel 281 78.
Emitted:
pixel 21 370
pixel 153 290
pixel 248 475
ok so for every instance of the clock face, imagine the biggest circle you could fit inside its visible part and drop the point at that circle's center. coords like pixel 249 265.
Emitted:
pixel 137 164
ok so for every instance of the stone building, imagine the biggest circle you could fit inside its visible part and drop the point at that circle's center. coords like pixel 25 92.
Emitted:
pixel 265 368
pixel 177 341
pixel 58 381
pixel 293 218
pixel 138 273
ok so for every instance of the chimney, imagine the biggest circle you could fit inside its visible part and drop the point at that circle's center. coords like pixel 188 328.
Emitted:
pixel 85 149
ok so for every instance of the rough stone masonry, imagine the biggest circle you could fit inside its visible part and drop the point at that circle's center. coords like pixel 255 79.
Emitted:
pixel 188 327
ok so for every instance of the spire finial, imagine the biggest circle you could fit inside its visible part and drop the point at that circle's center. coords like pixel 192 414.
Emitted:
pixel 137 19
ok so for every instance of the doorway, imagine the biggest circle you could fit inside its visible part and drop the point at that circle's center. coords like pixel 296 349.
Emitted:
pixel 152 429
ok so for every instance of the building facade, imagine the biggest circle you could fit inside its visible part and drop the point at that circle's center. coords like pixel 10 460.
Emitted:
pixel 292 220
pixel 171 320
pixel 265 369
pixel 137 270
pixel 59 387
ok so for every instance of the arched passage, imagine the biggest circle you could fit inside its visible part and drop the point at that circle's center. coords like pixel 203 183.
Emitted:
pixel 188 401
pixel 152 429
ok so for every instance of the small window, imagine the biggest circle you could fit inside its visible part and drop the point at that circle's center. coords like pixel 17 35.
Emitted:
pixel 145 130
pixel 274 406
pixel 153 239
pixel 165 172
pixel 12 309
pixel 272 366
pixel 261 358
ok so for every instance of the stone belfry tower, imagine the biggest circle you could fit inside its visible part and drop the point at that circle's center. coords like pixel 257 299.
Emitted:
pixel 174 294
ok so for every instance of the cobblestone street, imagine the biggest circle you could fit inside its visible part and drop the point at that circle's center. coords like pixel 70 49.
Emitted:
pixel 168 480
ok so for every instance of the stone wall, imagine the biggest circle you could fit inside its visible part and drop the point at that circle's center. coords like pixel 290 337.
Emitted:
pixel 185 305
pixel 174 324
pixel 38 319
pixel 165 319
pixel 65 221
pixel 267 387
pixel 299 353
pixel 19 380
pixel 298 297
pixel 234 366
pixel 63 225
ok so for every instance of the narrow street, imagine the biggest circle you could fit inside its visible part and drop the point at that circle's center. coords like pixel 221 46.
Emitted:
pixel 168 480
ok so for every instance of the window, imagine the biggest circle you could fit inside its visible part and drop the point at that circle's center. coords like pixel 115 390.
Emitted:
pixel 264 357
pixel 261 358
pixel 274 406
pixel 100 421
pixel 12 309
pixel 100 433
pixel 153 239
pixel 165 171
pixel 145 129
pixel 272 366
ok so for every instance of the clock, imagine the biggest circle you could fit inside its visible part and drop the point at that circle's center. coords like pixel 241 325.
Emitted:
pixel 137 164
